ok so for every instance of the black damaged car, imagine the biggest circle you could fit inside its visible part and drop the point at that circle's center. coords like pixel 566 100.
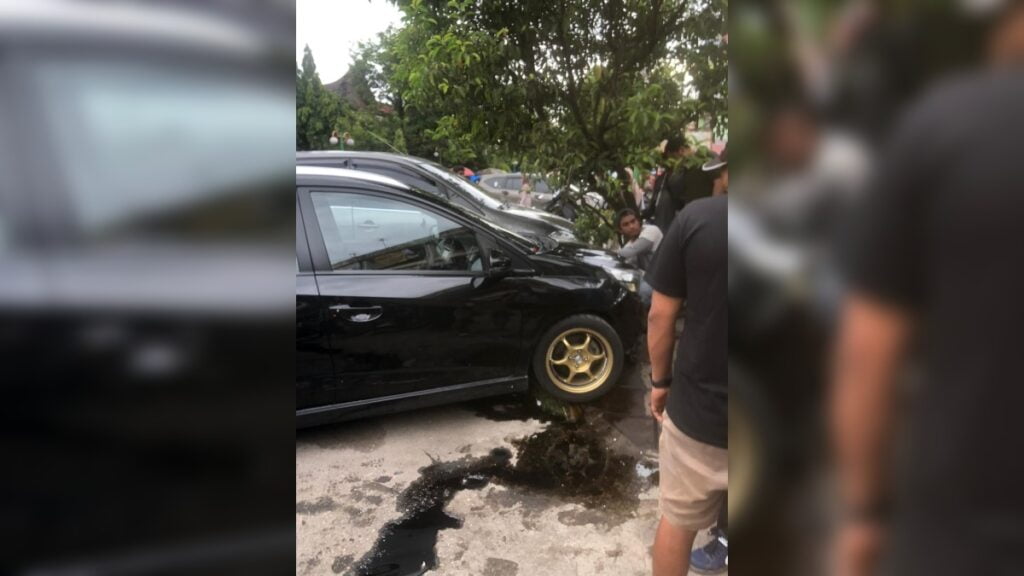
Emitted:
pixel 435 179
pixel 403 301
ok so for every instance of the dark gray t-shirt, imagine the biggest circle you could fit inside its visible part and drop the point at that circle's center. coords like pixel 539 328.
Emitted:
pixel 668 198
pixel 691 264
pixel 940 236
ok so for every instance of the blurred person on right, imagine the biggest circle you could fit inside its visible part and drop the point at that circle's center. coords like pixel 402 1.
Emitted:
pixel 929 475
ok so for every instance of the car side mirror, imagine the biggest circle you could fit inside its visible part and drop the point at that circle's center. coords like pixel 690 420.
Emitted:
pixel 499 264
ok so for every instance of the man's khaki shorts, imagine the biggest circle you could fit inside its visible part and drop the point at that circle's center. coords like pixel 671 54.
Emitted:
pixel 694 479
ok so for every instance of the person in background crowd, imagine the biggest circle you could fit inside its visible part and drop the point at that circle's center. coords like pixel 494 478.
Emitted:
pixel 691 398
pixel 642 242
pixel 815 173
pixel 641 194
pixel 719 167
pixel 669 190
pixel 526 192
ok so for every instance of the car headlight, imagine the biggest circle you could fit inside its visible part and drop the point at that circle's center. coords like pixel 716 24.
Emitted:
pixel 562 236
pixel 628 278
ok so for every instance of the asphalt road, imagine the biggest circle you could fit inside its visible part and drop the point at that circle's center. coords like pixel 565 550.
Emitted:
pixel 491 488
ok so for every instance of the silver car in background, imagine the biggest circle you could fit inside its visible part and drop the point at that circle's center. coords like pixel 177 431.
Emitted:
pixel 506 188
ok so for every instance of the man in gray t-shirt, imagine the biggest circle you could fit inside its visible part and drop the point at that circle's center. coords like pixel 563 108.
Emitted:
pixel 642 242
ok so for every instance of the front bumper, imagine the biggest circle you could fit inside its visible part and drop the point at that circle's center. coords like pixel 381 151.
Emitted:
pixel 627 317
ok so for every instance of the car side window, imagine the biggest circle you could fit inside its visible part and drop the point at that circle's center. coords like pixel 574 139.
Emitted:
pixel 459 200
pixel 541 186
pixel 407 178
pixel 364 232
pixel 513 183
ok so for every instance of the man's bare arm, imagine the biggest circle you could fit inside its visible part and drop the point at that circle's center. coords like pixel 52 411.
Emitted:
pixel 638 192
pixel 661 336
pixel 641 246
pixel 871 347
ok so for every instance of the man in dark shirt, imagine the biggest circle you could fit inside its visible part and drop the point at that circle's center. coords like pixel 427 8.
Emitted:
pixel 936 269
pixel 693 451
pixel 669 189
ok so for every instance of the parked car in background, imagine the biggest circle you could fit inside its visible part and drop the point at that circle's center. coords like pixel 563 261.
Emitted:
pixel 567 201
pixel 405 300
pixel 435 179
pixel 506 187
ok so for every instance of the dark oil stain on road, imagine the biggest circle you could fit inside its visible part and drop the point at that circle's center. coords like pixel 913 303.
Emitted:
pixel 574 462
pixel 571 461
pixel 625 407
pixel 407 546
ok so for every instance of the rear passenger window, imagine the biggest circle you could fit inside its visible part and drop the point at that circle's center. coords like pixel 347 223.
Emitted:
pixel 363 232
pixel 405 177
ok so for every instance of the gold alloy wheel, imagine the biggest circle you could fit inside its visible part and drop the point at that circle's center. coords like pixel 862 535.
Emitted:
pixel 579 360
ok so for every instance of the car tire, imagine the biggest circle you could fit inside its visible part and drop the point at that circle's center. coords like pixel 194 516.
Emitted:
pixel 579 359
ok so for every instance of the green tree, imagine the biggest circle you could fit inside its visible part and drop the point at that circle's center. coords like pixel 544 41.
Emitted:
pixel 316 108
pixel 574 89
pixel 581 87
pixel 399 141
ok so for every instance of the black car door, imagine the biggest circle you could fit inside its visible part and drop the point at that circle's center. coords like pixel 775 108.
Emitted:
pixel 410 307
pixel 314 372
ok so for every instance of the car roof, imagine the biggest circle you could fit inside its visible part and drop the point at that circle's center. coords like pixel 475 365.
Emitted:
pixel 507 174
pixel 333 176
pixel 404 158
pixel 349 174
pixel 106 21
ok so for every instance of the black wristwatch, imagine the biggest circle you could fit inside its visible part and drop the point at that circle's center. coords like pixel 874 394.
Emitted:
pixel 661 384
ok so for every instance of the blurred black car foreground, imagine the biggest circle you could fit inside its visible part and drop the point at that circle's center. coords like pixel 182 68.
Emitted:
pixel 404 301
pixel 145 288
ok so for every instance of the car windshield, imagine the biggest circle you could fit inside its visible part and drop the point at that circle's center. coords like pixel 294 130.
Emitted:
pixel 532 243
pixel 464 185
pixel 528 244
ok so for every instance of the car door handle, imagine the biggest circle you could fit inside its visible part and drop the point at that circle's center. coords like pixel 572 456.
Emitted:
pixel 357 314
